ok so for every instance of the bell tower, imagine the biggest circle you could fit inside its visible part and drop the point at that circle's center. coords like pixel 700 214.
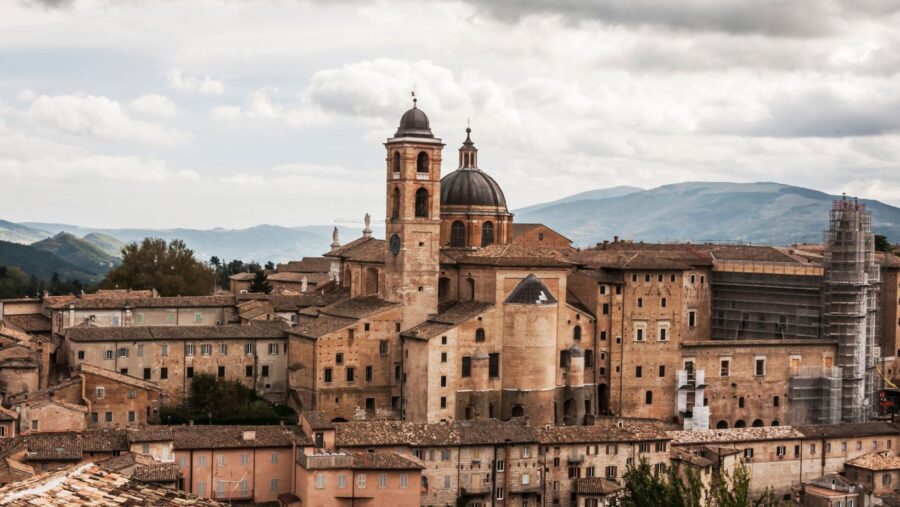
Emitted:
pixel 413 225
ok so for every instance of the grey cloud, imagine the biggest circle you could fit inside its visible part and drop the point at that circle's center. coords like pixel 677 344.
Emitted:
pixel 50 4
pixel 794 18
pixel 818 114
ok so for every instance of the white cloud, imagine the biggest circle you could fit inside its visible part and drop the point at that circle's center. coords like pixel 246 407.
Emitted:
pixel 89 168
pixel 99 117
pixel 244 179
pixel 153 104
pixel 204 85
pixel 227 113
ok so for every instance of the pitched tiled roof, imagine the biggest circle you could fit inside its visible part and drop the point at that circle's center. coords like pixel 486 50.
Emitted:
pixel 119 377
pixel 344 460
pixel 21 363
pixel 359 307
pixel 255 329
pixel 448 319
pixel 601 433
pixel 104 440
pixel 516 256
pixel 307 265
pixel 156 472
pixel 233 437
pixel 89 485
pixel 362 249
pixel 876 460
pixel 849 429
pixel 647 260
pixel 150 433
pixel 735 435
pixel 317 420
pixel 146 302
pixel 596 486
pixel 31 323
pixel 292 303
pixel 65 446
pixel 314 327
pixel 399 433
pixel 242 276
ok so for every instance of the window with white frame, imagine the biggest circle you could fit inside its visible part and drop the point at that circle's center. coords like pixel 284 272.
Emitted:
pixel 223 349
pixel 361 481
pixel 189 349
pixel 725 367
pixel 404 481
pixel 760 366
pixel 640 331
pixel 342 481
pixel 206 349
pixel 320 481
pixel 248 349
pixel 273 349
pixel 662 331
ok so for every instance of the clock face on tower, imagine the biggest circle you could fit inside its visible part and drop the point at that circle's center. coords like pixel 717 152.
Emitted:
pixel 395 244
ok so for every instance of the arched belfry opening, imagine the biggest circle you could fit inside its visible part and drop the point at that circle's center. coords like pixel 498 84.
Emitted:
pixel 395 203
pixel 422 163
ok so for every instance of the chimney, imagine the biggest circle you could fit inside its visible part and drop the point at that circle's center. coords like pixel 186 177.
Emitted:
pixel 615 239
pixel 303 284
pixel 248 435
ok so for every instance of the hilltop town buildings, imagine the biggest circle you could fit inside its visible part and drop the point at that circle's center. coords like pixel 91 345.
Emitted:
pixel 466 356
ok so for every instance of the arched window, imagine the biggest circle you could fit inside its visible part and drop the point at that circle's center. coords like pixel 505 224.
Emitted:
pixel 458 234
pixel 395 203
pixel 775 422
pixel 721 425
pixel 422 162
pixel 758 423
pixel 479 334
pixel 740 424
pixel 422 203
pixel 396 166
pixel 518 411
pixel 466 160
pixel 487 233
pixel 576 333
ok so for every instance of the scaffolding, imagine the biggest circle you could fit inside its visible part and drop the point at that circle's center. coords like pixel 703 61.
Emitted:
pixel 815 394
pixel 850 303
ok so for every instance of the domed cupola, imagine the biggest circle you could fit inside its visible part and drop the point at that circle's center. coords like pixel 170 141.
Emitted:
pixel 414 123
pixel 473 207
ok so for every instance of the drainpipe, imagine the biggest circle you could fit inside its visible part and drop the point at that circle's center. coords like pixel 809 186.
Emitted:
pixel 294 457
pixel 458 469
pixel 507 464
pixel 493 477
pixel 84 395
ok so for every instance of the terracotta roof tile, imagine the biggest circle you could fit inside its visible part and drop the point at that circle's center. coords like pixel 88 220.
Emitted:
pixel 596 486
pixel 150 433
pixel 315 327
pixel 147 302
pixel 256 329
pixel 399 433
pixel 104 440
pixel 54 447
pixel 317 420
pixel 735 435
pixel 233 437
pixel 30 323
pixel 359 307
pixel 452 316
pixel 306 265
pixel 601 433
pixel 876 460
pixel 848 429
pixel 89 485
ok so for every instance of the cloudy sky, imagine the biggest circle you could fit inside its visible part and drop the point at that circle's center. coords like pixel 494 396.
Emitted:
pixel 235 113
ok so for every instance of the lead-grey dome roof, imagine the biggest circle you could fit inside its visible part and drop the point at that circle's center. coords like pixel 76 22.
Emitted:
pixel 471 187
pixel 414 123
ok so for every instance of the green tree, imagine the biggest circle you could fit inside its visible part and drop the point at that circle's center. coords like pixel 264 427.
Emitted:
pixel 169 268
pixel 270 266
pixel 882 244
pixel 13 282
pixel 260 282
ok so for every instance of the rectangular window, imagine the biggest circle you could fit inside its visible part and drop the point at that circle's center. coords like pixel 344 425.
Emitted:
pixel 140 350
pixel 466 367
pixel 265 370
pixel 101 392
pixel 499 493
pixel 724 367
pixel 638 371
pixel 327 374
pixel 123 352
pixel 109 354
pixel 164 349
pixel 760 366
pixel 382 481
pixel 273 485
pixel 198 318
pixel 109 418
pixel 351 372
pixel 662 370
pixel 383 347
pixel 190 372
pixel 139 318
pixel 443 402
pixel 404 480
pixel 662 302
pixel 221 372
pixel 189 349
pixel 780 450
pixel 692 318
pixel 163 373
pixel 201 461
pixel 248 349
pixel 245 458
pixel 223 349
pixel 369 374
pixel 644 447
pixel 131 416
pixel 361 481
pixel 147 373
pixel 494 365
pixel 443 357
pixel 342 481
pixel 273 349
pixel 201 488
pixel 610 472
pixel 320 481
pixel 639 334
pixel 605 308
pixel 206 349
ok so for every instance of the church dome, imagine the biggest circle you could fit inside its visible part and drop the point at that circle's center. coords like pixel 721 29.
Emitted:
pixel 414 123
pixel 471 187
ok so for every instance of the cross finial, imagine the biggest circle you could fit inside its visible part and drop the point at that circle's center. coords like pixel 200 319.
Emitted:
pixel 413 93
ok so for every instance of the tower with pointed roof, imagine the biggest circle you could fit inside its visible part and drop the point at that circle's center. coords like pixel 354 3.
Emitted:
pixel 413 224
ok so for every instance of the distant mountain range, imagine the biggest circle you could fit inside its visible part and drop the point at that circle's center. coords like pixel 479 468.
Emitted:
pixel 765 213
